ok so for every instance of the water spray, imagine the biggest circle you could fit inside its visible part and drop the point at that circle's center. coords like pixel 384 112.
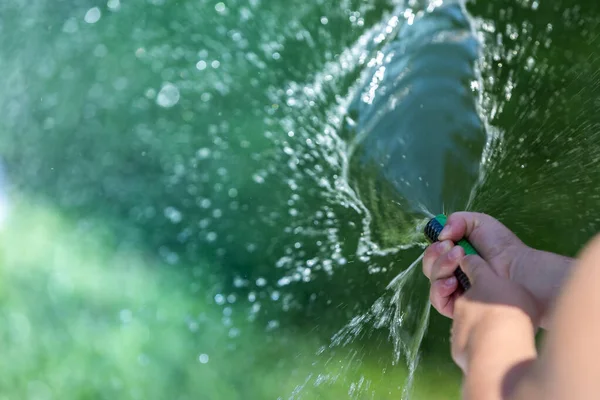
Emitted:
pixel 432 231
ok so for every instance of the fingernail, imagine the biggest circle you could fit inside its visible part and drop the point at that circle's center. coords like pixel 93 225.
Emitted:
pixel 445 246
pixel 450 282
pixel 445 232
pixel 455 254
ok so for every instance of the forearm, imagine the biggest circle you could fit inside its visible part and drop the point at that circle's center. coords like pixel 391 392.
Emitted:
pixel 569 355
pixel 543 274
pixel 500 356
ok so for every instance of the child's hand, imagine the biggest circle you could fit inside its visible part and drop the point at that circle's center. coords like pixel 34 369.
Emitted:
pixel 493 310
pixel 539 272
pixel 494 242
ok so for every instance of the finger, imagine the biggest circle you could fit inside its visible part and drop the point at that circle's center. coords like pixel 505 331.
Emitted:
pixel 446 264
pixel 464 224
pixel 432 253
pixel 475 268
pixel 458 334
pixel 481 230
pixel 442 295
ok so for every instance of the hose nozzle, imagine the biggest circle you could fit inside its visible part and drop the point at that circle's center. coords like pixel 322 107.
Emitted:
pixel 432 232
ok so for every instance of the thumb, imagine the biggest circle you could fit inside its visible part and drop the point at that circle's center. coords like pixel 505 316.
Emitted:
pixel 475 268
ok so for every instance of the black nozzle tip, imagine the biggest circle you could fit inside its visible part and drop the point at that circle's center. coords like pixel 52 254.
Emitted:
pixel 432 229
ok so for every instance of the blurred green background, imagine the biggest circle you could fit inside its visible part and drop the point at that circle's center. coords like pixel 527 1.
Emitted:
pixel 161 241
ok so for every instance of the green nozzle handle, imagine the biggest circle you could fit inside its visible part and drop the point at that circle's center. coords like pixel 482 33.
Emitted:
pixel 432 231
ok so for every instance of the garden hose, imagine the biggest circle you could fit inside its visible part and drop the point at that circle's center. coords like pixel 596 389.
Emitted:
pixel 432 231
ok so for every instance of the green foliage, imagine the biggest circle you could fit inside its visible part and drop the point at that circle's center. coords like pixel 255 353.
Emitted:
pixel 81 318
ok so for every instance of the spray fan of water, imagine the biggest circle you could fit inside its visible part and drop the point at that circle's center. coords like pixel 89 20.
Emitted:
pixel 366 133
pixel 510 48
pixel 389 311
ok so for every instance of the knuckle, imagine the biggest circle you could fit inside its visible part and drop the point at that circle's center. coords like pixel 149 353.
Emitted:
pixel 429 253
pixel 446 263
pixel 432 253
pixel 459 216
pixel 472 265
pixel 434 299
pixel 428 260
pixel 448 259
pixel 437 269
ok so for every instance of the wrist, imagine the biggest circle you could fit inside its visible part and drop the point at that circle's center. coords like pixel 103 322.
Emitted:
pixel 521 264
pixel 542 274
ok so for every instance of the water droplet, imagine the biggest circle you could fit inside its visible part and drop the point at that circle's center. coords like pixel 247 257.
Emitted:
pixel 203 358
pixel 193 326
pixel 284 281
pixel 114 5
pixel 150 93
pixel 219 299
pixel 222 171
pixel 205 203
pixel 273 324
pixel 211 236
pixel 258 179
pixel 173 214
pixel 70 26
pixel 201 65
pixel 92 15
pixel 220 8
pixel 260 282
pixel 203 153
pixel 324 20
pixel 168 96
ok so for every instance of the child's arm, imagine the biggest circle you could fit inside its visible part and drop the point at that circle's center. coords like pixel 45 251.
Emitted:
pixel 493 336
pixel 493 333
pixel 499 359
pixel 569 365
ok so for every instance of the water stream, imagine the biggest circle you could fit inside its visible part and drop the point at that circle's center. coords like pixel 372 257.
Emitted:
pixel 407 138
pixel 253 176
